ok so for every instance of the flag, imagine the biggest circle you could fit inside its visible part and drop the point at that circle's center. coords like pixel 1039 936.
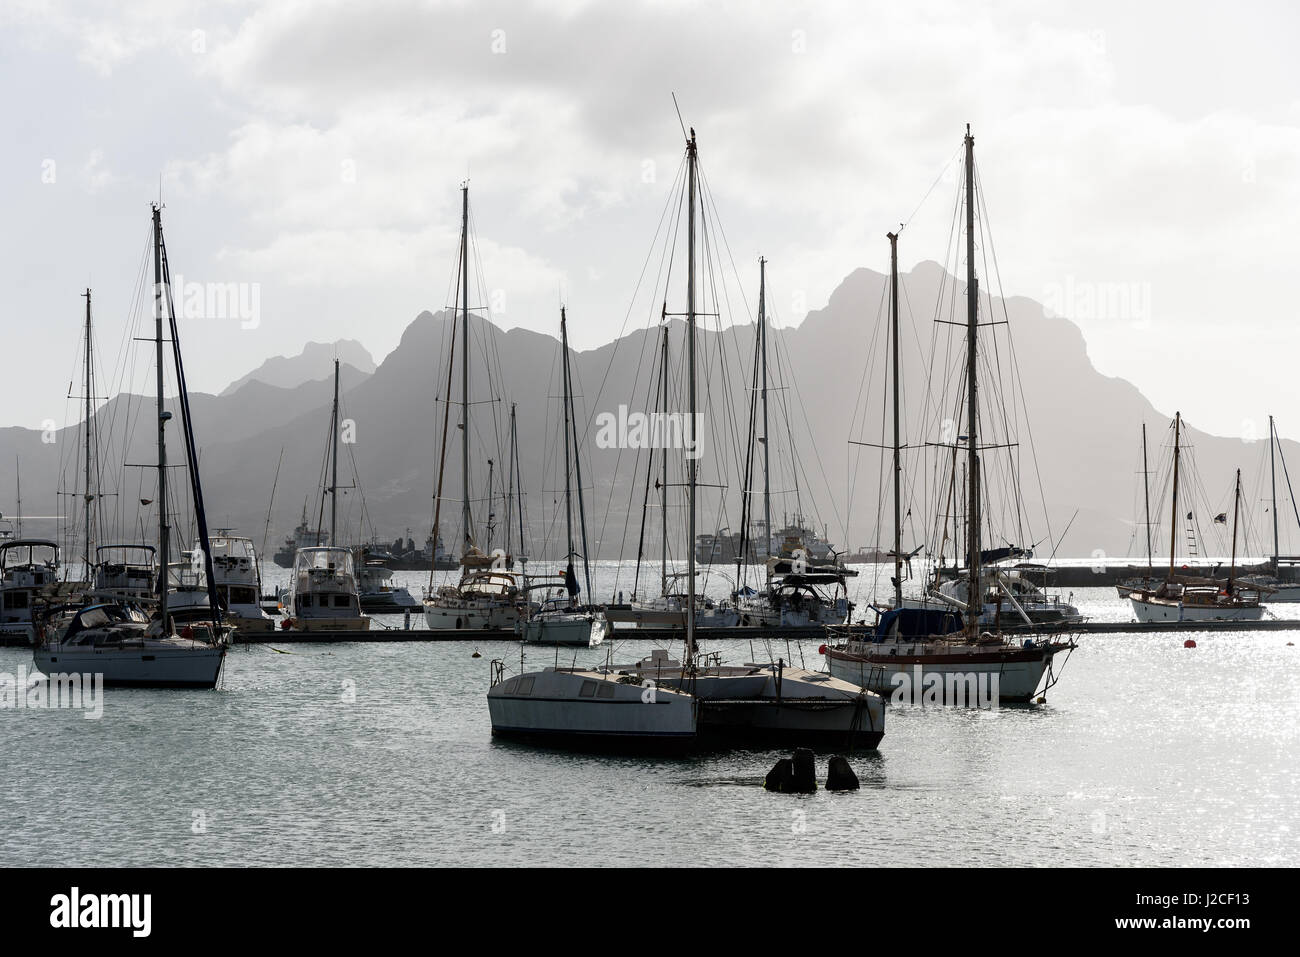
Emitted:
pixel 1189 516
pixel 1222 518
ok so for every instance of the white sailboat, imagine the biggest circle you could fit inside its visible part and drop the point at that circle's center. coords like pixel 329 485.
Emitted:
pixel 1182 598
pixel 489 595
pixel 117 639
pixel 558 621
pixel 698 700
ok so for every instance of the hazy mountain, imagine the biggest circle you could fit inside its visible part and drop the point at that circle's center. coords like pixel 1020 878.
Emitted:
pixel 1082 429
pixel 316 361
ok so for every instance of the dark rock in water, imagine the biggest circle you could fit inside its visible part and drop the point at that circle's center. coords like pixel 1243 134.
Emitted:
pixel 804 780
pixel 840 776
pixel 779 777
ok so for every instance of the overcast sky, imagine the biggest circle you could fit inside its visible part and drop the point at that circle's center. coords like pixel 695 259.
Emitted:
pixel 1140 165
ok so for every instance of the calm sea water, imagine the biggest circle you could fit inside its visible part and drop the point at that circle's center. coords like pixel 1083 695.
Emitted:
pixel 367 754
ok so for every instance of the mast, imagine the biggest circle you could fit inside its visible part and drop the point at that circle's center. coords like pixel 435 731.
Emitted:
pixel 568 494
pixel 1173 522
pixel 974 594
pixel 1236 509
pixel 465 516
pixel 1272 474
pixel 767 479
pixel 690 411
pixel 88 414
pixel 571 427
pixel 1146 498
pixel 163 416
pixel 663 484
pixel 510 476
pixel 898 467
pixel 334 447
pixel 519 491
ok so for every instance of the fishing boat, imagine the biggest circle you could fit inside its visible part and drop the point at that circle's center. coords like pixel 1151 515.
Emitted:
pixel 1183 598
pixel 697 701
pixel 323 592
pixel 118 639
pixel 946 645
pixel 567 621
pixel 489 595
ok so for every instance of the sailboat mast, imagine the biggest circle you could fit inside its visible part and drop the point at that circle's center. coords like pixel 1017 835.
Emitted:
pixel 1146 497
pixel 577 462
pixel 334 447
pixel 88 414
pixel 1173 521
pixel 568 493
pixel 519 490
pixel 898 465
pixel 510 477
pixel 690 411
pixel 163 416
pixel 663 484
pixel 767 478
pixel 1272 474
pixel 974 594
pixel 465 516
pixel 1236 511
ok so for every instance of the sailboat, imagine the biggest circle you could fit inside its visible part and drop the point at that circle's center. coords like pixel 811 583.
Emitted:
pixel 323 592
pixel 559 621
pixel 1279 590
pixel 1148 581
pixel 118 639
pixel 1184 598
pixel 697 700
pixel 489 595
pixel 941 636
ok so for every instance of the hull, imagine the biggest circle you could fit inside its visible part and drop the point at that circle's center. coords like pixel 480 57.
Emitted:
pixel 361 623
pixel 589 710
pixel 179 667
pixel 1150 609
pixel 580 631
pixel 1018 674
pixel 452 617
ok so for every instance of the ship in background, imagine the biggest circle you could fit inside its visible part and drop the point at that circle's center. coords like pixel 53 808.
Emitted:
pixel 724 546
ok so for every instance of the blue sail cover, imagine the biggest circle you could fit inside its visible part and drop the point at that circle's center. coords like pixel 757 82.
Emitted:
pixel 917 623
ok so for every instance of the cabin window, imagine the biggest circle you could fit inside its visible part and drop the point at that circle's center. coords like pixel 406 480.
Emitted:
pixel 341 601
pixel 525 685
pixel 17 599
pixel 588 689
pixel 605 690
pixel 304 601
pixel 242 596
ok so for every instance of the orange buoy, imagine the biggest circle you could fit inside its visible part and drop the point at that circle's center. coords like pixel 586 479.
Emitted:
pixel 1189 643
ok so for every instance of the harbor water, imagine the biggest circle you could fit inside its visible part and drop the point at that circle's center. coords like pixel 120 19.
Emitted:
pixel 355 754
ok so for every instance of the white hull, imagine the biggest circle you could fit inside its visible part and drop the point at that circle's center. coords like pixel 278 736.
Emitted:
pixel 1016 681
pixel 340 623
pixel 457 616
pixel 579 708
pixel 1170 610
pixel 170 664
pixel 582 631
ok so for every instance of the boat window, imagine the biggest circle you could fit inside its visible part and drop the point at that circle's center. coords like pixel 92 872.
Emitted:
pixel 341 601
pixel 526 685
pixel 605 690
pixel 588 689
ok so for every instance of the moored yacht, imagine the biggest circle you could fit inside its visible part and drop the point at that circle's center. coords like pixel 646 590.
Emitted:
pixel 28 567
pixel 323 591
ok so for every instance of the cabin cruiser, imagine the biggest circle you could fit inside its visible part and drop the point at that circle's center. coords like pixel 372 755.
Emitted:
pixel 28 567
pixel 323 591
pixel 125 572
